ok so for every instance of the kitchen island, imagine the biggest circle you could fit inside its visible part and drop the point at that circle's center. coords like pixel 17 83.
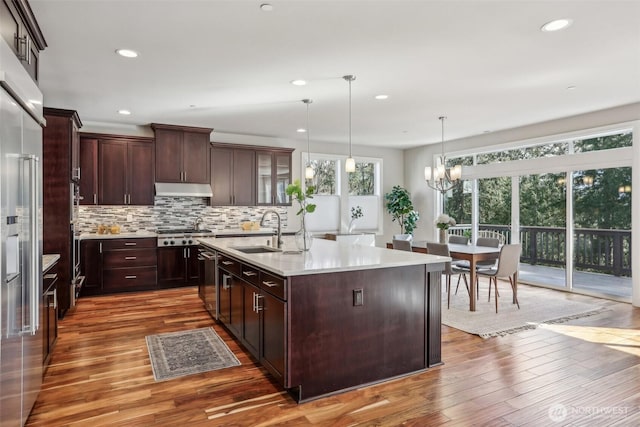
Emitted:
pixel 334 318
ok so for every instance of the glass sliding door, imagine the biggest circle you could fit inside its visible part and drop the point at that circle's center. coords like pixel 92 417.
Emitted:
pixel 543 229
pixel 494 206
pixel 602 231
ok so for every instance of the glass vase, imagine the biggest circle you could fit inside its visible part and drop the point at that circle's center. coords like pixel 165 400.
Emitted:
pixel 443 236
pixel 303 238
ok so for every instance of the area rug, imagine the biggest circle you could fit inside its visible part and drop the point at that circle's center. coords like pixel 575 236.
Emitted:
pixel 176 354
pixel 535 309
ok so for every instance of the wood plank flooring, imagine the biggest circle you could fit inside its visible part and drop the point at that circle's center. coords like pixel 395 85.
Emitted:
pixel 583 372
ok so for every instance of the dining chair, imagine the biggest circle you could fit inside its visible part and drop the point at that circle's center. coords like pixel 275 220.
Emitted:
pixel 450 269
pixel 491 242
pixel 507 267
pixel 403 245
pixel 492 235
pixel 458 240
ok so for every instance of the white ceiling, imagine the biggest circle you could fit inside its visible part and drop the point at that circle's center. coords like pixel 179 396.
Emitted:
pixel 226 64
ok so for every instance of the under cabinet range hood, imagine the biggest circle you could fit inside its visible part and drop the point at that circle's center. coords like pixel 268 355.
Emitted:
pixel 175 189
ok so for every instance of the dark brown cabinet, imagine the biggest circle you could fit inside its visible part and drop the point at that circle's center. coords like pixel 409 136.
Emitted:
pixel 125 172
pixel 182 153
pixel 252 306
pixel 178 266
pixel 273 175
pixel 88 163
pixel 57 195
pixel 20 30
pixel 91 266
pixel 119 265
pixel 232 176
pixel 49 314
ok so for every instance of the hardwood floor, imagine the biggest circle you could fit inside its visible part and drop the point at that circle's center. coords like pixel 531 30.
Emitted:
pixel 585 371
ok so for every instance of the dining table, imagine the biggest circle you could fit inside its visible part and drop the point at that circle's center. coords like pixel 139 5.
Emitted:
pixel 471 253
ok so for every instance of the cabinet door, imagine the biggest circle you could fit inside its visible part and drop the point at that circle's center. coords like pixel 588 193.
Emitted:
pixel 264 179
pixel 140 173
pixel 172 266
pixel 113 172
pixel 283 178
pixel 193 266
pixel 195 159
pixel 224 296
pixel 168 155
pixel 251 320
pixel 237 305
pixel 272 348
pixel 221 176
pixel 89 171
pixel 244 190
pixel 91 266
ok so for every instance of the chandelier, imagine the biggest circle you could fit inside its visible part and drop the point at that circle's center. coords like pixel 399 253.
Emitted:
pixel 442 179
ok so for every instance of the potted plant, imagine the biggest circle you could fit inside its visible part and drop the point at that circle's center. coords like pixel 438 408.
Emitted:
pixel 303 237
pixel 356 212
pixel 400 207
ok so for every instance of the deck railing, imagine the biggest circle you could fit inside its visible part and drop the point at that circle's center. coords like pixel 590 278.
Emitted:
pixel 598 250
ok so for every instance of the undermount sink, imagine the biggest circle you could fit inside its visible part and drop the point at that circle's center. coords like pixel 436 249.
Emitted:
pixel 255 249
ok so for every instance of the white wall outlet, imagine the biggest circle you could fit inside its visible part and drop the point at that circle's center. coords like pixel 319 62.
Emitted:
pixel 129 217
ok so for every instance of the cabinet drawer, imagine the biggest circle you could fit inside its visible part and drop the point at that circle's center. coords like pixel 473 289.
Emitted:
pixel 229 264
pixel 275 285
pixel 114 244
pixel 130 258
pixel 250 274
pixel 129 278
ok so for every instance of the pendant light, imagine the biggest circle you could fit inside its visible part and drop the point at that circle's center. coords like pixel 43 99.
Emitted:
pixel 308 172
pixel 350 163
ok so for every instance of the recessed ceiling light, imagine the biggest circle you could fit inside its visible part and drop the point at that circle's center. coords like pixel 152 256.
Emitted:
pixel 571 87
pixel 124 112
pixel 266 7
pixel 301 130
pixel 381 96
pixel 556 25
pixel 127 53
pixel 298 82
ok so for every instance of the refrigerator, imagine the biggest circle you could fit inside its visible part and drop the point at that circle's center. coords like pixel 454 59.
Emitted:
pixel 21 337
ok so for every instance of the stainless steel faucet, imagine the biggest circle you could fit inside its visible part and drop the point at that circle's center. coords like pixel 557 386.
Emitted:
pixel 197 222
pixel 279 225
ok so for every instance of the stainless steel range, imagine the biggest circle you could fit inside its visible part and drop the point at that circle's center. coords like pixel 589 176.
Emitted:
pixel 181 237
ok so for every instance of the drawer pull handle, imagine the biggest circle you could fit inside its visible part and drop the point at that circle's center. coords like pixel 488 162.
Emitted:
pixel 130 277
pixel 129 243
pixel 270 284
pixel 130 257
pixel 249 273
pixel 227 263
pixel 51 276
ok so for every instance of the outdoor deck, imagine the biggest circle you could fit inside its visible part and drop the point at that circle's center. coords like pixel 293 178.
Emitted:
pixel 593 283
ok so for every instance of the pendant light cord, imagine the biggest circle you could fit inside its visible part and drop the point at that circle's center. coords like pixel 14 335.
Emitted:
pixel 308 101
pixel 351 78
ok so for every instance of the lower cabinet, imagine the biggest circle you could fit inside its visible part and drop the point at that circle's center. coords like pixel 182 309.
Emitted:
pixel 119 265
pixel 49 314
pixel 253 306
pixel 178 266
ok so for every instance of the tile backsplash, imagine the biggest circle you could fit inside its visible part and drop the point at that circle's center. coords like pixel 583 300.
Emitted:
pixel 174 212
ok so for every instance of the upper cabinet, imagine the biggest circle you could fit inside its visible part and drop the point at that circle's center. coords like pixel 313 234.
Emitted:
pixel 116 170
pixel 249 175
pixel 273 175
pixel 232 176
pixel 21 32
pixel 182 153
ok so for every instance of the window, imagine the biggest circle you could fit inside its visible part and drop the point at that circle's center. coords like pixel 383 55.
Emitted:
pixel 337 192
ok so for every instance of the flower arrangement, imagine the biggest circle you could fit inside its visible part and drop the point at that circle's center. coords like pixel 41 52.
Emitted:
pixel 444 221
pixel 356 212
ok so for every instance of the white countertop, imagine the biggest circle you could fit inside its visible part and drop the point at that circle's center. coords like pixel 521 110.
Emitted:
pixel 48 260
pixel 137 234
pixel 325 256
